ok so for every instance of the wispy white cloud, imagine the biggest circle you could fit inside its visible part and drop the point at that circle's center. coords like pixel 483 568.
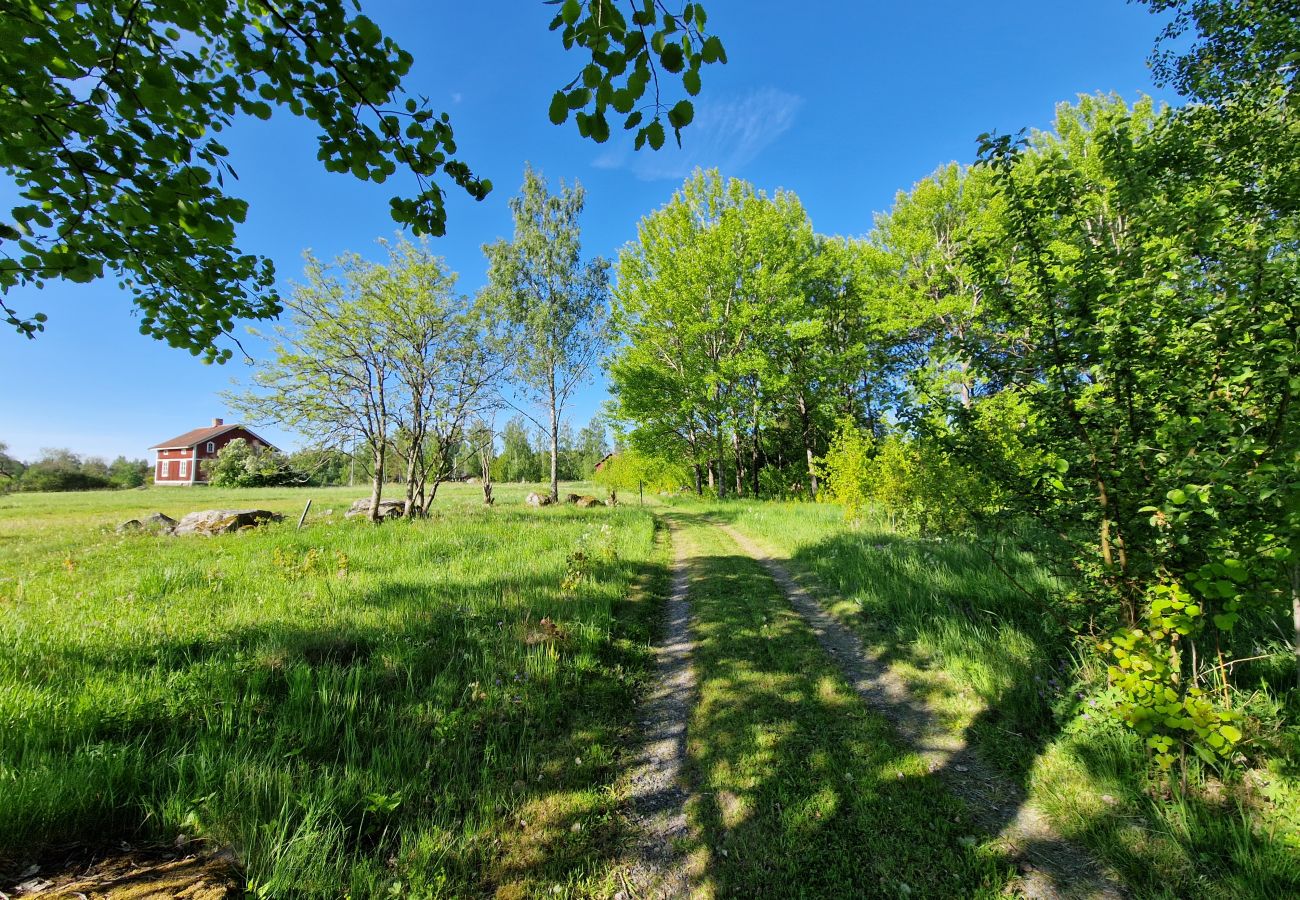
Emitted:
pixel 727 133
pixel 457 96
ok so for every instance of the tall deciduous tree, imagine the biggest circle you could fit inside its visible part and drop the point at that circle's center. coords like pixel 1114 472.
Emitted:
pixel 1140 301
pixel 111 113
pixel 715 314
pixel 385 354
pixel 552 302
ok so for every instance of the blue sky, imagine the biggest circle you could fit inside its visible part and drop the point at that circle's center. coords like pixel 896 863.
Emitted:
pixel 843 103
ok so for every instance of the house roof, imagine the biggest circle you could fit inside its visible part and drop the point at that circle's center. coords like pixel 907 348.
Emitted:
pixel 199 435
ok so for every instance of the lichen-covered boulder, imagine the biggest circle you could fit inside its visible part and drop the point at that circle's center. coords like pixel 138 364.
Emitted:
pixel 536 499
pixel 584 502
pixel 388 509
pixel 572 498
pixel 222 521
pixel 157 523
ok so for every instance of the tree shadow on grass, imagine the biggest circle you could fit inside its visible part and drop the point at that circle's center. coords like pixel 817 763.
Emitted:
pixel 445 719
pixel 798 791
pixel 990 763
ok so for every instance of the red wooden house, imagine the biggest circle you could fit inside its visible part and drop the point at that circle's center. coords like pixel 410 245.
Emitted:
pixel 180 460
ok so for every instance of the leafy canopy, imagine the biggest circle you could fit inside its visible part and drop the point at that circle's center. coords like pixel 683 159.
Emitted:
pixel 112 114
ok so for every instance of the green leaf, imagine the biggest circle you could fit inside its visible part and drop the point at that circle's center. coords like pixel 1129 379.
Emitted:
pixel 681 114
pixel 559 108
pixel 691 81
pixel 570 11
pixel 671 58
pixel 1177 496
pixel 655 134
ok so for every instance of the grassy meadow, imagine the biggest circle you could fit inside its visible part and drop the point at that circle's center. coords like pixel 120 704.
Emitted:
pixel 987 654
pixel 425 709
pixel 799 790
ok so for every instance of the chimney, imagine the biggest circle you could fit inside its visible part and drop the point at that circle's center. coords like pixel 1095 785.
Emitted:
pixel 217 423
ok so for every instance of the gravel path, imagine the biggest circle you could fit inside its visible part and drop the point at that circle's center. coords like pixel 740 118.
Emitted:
pixel 1052 867
pixel 658 867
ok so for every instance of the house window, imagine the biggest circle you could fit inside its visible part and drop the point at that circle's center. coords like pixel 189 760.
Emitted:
pixel 212 447
pixel 166 468
pixel 185 468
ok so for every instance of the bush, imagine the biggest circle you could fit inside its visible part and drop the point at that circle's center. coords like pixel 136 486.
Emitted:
pixel 240 465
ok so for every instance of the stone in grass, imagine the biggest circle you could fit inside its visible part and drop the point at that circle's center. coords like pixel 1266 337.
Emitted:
pixel 157 523
pixel 388 509
pixel 584 502
pixel 536 499
pixel 221 521
pixel 572 498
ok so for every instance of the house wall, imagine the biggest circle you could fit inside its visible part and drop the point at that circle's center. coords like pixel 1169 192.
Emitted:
pixel 220 441
pixel 167 467
pixel 195 457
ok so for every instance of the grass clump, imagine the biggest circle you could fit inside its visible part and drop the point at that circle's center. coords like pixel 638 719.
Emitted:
pixel 977 631
pixel 800 790
pixel 354 709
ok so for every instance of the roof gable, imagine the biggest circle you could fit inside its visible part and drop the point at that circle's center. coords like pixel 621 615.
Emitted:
pixel 200 435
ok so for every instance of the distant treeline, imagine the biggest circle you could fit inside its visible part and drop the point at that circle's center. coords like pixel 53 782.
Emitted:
pixel 62 470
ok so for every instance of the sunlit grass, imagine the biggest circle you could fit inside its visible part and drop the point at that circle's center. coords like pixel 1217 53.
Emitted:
pixel 993 658
pixel 799 789
pixel 354 709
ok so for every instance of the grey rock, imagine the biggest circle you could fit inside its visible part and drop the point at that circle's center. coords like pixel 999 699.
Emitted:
pixel 158 523
pixel 222 521
pixel 388 509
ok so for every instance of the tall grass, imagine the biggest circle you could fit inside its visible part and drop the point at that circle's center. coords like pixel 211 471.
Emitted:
pixel 977 630
pixel 354 709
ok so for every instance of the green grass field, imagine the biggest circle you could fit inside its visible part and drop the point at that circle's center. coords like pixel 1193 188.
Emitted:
pixel 446 707
pixel 358 710
pixel 992 660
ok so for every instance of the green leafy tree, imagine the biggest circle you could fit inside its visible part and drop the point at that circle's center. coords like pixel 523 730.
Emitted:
pixel 1139 299
pixel 113 113
pixel 322 466
pixel 517 460
pixel 11 469
pixel 845 470
pixel 128 473
pixel 332 376
pixel 716 312
pixel 384 355
pixel 552 303
pixel 629 470
pixel 591 448
pixel 239 464
pixel 62 470
pixel 1241 48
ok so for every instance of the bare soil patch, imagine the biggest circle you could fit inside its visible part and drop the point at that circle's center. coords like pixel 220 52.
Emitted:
pixel 658 864
pixel 141 874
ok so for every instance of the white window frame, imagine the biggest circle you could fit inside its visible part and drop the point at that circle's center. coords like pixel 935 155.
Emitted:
pixel 166 469
pixel 185 469
pixel 212 446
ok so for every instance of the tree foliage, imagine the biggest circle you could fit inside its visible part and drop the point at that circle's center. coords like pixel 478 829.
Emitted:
pixel 240 465
pixel 385 356
pixel 551 302
pixel 113 114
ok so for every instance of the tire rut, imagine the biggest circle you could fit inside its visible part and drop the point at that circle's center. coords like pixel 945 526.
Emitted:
pixel 1053 868
pixel 656 784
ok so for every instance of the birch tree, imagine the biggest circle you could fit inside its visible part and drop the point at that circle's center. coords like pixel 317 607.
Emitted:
pixel 552 303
